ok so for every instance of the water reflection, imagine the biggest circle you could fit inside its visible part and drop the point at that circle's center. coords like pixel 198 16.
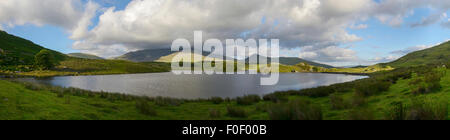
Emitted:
pixel 194 86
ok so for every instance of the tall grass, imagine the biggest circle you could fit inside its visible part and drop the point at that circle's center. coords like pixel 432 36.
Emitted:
pixel 361 113
pixel 428 109
pixel 426 82
pixel 397 111
pixel 337 102
pixel 234 111
pixel 248 99
pixel 144 107
pixel 372 87
pixel 295 110
pixel 421 108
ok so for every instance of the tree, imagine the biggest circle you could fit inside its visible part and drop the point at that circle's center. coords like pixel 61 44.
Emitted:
pixel 44 59
pixel 2 57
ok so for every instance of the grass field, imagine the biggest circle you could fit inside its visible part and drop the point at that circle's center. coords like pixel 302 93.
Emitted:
pixel 23 101
pixel 75 66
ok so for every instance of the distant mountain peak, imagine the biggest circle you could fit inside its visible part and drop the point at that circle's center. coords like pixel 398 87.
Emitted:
pixel 84 55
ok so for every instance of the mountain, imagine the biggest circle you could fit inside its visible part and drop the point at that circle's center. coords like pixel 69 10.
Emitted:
pixel 22 51
pixel 85 56
pixel 166 55
pixel 294 61
pixel 157 55
pixel 145 55
pixel 435 55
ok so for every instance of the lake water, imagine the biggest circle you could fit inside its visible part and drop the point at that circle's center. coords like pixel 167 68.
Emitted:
pixel 194 86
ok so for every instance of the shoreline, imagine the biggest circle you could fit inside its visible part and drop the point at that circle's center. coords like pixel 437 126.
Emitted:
pixel 347 73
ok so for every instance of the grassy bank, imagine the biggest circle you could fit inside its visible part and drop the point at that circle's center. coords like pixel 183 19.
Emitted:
pixel 77 66
pixel 389 95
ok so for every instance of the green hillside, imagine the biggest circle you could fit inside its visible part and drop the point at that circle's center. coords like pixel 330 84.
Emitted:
pixel 21 51
pixel 83 55
pixel 435 55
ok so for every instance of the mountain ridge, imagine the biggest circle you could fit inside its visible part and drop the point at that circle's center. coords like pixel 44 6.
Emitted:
pixel 85 56
pixel 150 55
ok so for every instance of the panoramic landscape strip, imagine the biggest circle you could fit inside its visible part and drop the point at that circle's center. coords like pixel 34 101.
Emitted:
pixel 224 60
pixel 392 91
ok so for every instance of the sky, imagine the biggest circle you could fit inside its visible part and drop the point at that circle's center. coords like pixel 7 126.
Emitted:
pixel 335 32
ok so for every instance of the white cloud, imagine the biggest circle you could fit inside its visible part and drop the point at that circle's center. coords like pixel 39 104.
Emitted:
pixel 359 26
pixel 20 12
pixel 68 14
pixel 431 19
pixel 80 30
pixel 148 24
pixel 1 27
pixel 329 55
pixel 393 12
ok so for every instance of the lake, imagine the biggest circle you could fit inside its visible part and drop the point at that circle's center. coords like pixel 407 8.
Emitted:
pixel 193 86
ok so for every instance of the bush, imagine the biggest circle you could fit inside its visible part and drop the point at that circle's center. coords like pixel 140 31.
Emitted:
pixel 337 102
pixel 295 110
pixel 428 109
pixel 429 82
pixel 214 113
pixel 60 94
pixel 262 107
pixel 397 111
pixel 44 59
pixel 318 92
pixel 359 100
pixel 372 87
pixel 236 112
pixel 248 100
pixel 145 108
pixel 276 98
pixel 361 114
pixel 216 100
pixel 163 101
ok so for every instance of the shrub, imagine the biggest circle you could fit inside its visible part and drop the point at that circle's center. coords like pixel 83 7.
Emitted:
pixel 44 59
pixel 236 112
pixel 145 108
pixel 397 111
pixel 359 100
pixel 428 109
pixel 60 94
pixel 216 100
pixel 262 107
pixel 295 110
pixel 429 82
pixel 318 92
pixel 276 98
pixel 248 100
pixel 163 101
pixel 372 87
pixel 361 114
pixel 337 102
pixel 214 113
